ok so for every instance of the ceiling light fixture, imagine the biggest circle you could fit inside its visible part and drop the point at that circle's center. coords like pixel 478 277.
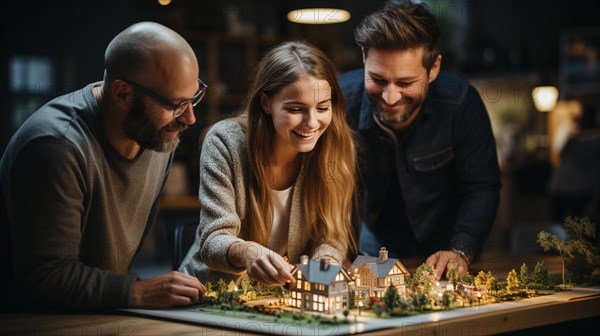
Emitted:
pixel 544 98
pixel 318 15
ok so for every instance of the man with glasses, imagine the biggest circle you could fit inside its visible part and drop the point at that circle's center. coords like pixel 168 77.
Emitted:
pixel 81 180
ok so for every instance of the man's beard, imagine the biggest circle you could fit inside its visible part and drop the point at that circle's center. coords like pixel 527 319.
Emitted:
pixel 390 117
pixel 141 129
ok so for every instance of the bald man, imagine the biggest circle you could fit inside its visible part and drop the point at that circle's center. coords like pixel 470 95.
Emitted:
pixel 81 180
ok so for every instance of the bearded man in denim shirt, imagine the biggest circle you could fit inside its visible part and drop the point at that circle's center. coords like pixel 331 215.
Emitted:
pixel 430 175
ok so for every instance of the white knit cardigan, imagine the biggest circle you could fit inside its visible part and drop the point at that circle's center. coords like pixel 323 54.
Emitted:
pixel 222 193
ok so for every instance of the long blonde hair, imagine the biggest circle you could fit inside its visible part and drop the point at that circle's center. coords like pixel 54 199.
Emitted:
pixel 329 201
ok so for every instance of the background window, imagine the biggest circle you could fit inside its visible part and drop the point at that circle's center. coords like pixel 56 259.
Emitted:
pixel 31 80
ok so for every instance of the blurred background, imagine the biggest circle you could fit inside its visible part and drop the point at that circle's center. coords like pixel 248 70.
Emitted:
pixel 535 63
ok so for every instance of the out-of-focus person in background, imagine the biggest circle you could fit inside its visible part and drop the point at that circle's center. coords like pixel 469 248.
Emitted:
pixel 574 142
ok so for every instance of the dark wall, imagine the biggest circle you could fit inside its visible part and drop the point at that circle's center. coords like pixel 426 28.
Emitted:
pixel 72 33
pixel 523 35
pixel 494 36
pixel 488 38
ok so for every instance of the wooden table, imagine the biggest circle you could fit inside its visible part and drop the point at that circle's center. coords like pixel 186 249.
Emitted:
pixel 120 323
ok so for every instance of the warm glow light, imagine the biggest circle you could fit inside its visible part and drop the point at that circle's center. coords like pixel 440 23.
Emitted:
pixel 544 98
pixel 434 317
pixel 164 2
pixel 318 15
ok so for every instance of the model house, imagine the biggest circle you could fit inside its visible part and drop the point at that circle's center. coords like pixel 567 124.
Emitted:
pixel 373 275
pixel 320 286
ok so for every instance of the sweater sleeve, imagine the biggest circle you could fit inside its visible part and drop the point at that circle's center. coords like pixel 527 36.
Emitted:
pixel 46 210
pixel 220 222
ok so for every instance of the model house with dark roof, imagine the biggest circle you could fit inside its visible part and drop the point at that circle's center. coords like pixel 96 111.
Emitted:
pixel 320 286
pixel 373 275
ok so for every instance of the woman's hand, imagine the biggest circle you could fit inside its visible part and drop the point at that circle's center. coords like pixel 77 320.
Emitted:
pixel 262 264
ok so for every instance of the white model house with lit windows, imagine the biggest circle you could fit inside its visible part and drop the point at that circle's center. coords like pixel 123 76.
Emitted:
pixel 320 286
pixel 373 275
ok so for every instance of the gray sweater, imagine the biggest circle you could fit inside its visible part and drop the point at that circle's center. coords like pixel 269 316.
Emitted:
pixel 223 180
pixel 77 210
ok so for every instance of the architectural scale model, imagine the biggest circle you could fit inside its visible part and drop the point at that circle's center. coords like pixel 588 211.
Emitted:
pixel 375 291
pixel 372 286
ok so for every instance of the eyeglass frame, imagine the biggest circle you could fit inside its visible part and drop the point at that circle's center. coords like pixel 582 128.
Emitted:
pixel 179 108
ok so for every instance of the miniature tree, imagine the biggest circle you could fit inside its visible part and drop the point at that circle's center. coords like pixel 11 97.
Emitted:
pixel 423 281
pixel 418 300
pixel 524 276
pixel 364 302
pixel 403 304
pixel 245 282
pixel 447 300
pixel 453 277
pixel 209 287
pixel 351 298
pixel 579 231
pixel 391 298
pixel 228 299
pixel 378 309
pixel 512 282
pixel 221 287
pixel 279 292
pixel 259 288
pixel 586 260
pixel 231 286
pixel 491 284
pixel 466 279
pixel 480 280
pixel 541 273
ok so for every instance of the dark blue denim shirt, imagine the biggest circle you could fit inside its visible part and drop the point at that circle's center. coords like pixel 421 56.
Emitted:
pixel 445 166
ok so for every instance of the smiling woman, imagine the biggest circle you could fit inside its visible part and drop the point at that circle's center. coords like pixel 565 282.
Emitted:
pixel 272 184
pixel 301 113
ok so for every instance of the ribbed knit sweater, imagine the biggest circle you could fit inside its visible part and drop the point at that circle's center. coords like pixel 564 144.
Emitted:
pixel 76 211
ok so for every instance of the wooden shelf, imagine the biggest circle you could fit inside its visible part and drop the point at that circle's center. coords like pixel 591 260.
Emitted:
pixel 227 63
pixel 179 204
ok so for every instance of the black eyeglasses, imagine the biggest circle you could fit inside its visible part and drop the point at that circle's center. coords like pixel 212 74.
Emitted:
pixel 179 108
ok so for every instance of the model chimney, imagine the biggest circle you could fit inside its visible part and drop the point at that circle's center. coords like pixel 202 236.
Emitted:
pixel 383 255
pixel 324 263
pixel 304 260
